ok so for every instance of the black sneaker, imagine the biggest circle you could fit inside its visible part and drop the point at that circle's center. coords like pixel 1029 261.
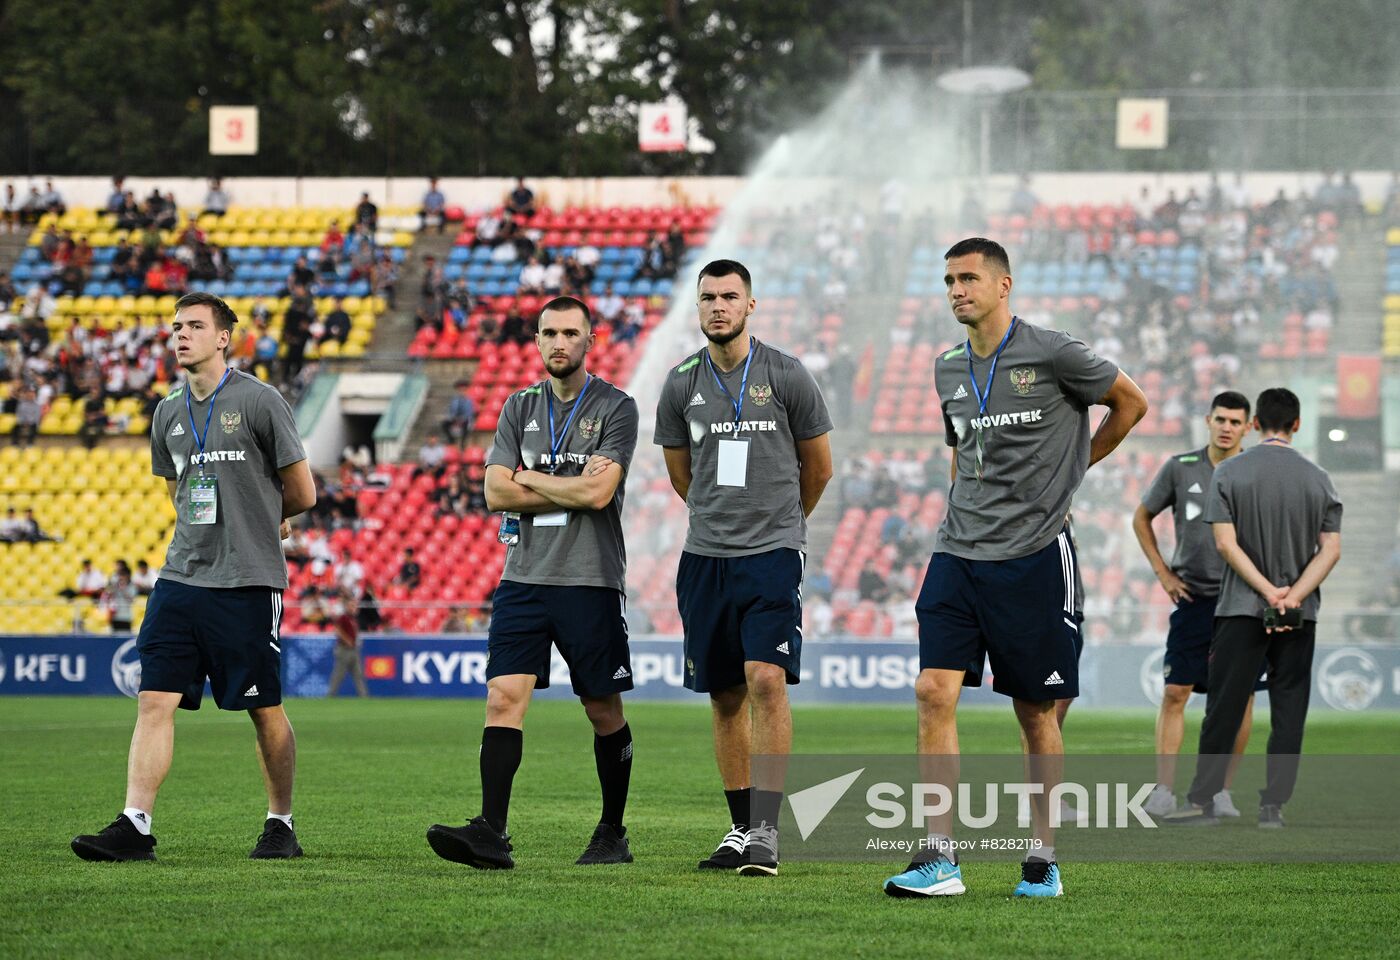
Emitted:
pixel 1270 817
pixel 761 854
pixel 478 845
pixel 278 842
pixel 119 842
pixel 730 852
pixel 609 845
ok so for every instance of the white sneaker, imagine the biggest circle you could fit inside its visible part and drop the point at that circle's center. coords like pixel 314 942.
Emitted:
pixel 1160 801
pixel 1070 815
pixel 1224 806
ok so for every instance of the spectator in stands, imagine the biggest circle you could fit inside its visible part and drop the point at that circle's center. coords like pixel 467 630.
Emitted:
pixel 871 584
pixel 301 275
pixel 431 457
pixel 296 331
pixel 577 278
pixel 452 497
pixel 521 200
pixel 456 621
pixel 513 327
pixel 28 414
pixel 9 211
pixel 386 278
pixel 144 578
pixel 434 210
pixel 532 278
pixel 434 286
pixel 367 214
pixel 122 266
pixel 90 583
pixel 129 215
pixel 461 415
pixel 334 238
pixel 488 330
pixel 117 197
pixel 629 325
pixel 52 201
pixel 337 325
pixel 675 246
pixel 488 229
pixel 31 532
pixel 1023 200
pixel 8 293
pixel 10 527
pixel 653 258
pixel 216 199
pixel 50 242
pixel 609 306
pixel 349 574
pixel 94 419
pixel 32 208
pixel 118 599
pixel 409 572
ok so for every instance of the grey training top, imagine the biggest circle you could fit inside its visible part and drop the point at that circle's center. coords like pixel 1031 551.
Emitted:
pixel 588 549
pixel 1183 483
pixel 1279 501
pixel 781 405
pixel 1021 461
pixel 252 435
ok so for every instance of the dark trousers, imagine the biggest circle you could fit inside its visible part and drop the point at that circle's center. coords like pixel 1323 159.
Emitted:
pixel 1236 648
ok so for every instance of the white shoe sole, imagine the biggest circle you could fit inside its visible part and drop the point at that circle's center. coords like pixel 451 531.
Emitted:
pixel 756 870
pixel 946 888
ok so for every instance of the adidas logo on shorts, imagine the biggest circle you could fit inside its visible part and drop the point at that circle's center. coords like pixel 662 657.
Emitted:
pixel 179 430
pixel 251 691
pixel 960 392
pixel 783 647
pixel 1053 679
pixel 621 674
pixel 697 400
pixel 532 427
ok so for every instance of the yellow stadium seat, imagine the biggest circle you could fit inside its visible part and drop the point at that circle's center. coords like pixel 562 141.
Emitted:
pixel 353 349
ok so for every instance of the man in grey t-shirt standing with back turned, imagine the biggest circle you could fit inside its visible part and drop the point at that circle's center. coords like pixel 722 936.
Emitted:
pixel 227 445
pixel 744 428
pixel 1278 523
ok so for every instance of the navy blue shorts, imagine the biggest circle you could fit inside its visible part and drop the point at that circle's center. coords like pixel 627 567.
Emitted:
pixel 1187 660
pixel 737 609
pixel 1019 613
pixel 587 624
pixel 227 634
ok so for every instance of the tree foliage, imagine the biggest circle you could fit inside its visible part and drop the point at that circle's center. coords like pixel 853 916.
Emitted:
pixel 551 86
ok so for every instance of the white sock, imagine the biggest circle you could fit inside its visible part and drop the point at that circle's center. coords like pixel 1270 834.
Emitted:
pixel 140 819
pixel 1046 854
pixel 284 817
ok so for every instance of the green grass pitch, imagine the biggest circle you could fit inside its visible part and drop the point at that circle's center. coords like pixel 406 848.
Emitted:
pixel 373 775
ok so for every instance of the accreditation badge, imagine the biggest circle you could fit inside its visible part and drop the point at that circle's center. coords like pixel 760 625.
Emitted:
pixel 204 500
pixel 733 469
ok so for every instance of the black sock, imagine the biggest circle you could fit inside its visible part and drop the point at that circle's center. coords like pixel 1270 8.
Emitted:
pixel 738 801
pixel 613 756
pixel 500 758
pixel 766 806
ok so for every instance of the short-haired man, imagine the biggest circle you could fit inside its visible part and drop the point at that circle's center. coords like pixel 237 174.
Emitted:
pixel 227 445
pixel 1278 524
pixel 433 213
pixel 1001 582
pixel 557 470
pixel 1192 580
pixel 744 428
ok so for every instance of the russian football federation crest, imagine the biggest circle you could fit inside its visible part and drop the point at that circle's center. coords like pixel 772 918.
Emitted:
pixel 760 394
pixel 589 427
pixel 1023 378
pixel 230 420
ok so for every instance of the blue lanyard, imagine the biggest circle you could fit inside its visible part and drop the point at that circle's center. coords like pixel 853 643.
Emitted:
pixel 982 398
pixel 556 442
pixel 208 414
pixel 743 384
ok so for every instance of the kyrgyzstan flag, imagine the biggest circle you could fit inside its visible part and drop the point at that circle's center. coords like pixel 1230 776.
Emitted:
pixel 381 667
pixel 1358 386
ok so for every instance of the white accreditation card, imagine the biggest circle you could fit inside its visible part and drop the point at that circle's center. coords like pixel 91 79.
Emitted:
pixel 559 518
pixel 733 470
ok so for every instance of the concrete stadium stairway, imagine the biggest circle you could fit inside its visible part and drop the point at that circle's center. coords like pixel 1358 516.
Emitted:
pixel 1360 277
pixel 1372 511
pixel 11 246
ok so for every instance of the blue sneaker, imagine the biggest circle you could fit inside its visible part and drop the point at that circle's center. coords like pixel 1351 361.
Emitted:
pixel 929 878
pixel 1039 879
